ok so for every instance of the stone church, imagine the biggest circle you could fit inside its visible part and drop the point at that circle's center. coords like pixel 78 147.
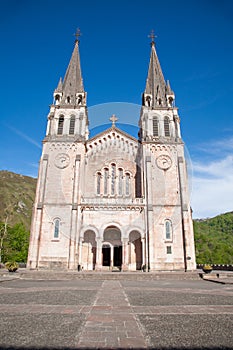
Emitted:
pixel 112 202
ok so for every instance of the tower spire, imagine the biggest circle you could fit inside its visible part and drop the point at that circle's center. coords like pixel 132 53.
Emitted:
pixel 72 89
pixel 155 94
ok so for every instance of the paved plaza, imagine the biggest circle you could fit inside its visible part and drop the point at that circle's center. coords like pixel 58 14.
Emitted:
pixel 119 313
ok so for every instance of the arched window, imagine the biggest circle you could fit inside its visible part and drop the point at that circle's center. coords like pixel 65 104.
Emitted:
pixel 72 125
pixel 56 228
pixel 127 184
pixel 57 99
pixel 168 230
pixel 60 125
pixel 120 182
pixel 105 181
pixel 155 126
pixel 98 183
pixel 166 127
pixel 113 178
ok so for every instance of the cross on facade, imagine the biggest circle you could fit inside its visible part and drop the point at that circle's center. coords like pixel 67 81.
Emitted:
pixel 113 119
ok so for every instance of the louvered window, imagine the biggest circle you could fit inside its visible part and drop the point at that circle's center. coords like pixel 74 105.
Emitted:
pixel 72 125
pixel 60 125
pixel 166 127
pixel 155 126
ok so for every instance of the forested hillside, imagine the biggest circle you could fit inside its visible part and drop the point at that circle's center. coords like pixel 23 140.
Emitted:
pixel 214 239
pixel 17 194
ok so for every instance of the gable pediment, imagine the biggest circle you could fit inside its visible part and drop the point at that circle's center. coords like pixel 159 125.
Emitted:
pixel 112 138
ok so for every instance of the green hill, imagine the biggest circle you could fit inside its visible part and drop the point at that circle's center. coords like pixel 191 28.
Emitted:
pixel 213 236
pixel 17 194
pixel 214 239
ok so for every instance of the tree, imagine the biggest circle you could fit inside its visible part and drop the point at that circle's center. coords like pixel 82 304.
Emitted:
pixel 3 234
pixel 15 244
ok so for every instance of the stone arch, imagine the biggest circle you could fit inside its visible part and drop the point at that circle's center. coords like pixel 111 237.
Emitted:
pixel 87 228
pixel 112 247
pixel 89 250
pixel 135 250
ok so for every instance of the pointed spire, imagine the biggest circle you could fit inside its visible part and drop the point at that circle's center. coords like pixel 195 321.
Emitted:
pixel 59 86
pixel 73 79
pixel 156 90
pixel 73 82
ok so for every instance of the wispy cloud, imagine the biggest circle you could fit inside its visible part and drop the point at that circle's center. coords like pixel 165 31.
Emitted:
pixel 24 136
pixel 222 147
pixel 212 182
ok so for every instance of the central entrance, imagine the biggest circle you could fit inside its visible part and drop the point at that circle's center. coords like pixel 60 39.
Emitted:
pixel 112 247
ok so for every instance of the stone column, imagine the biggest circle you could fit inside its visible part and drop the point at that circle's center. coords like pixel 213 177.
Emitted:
pixel 143 251
pixel 98 265
pixel 125 255
pixel 80 247
pixel 111 257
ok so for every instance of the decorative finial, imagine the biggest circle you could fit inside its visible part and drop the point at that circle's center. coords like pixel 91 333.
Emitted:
pixel 77 34
pixel 152 36
pixel 113 119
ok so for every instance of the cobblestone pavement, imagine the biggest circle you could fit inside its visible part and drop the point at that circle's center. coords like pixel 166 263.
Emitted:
pixel 115 314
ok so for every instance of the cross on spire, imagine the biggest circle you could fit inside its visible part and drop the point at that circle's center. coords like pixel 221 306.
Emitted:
pixel 113 119
pixel 77 34
pixel 152 36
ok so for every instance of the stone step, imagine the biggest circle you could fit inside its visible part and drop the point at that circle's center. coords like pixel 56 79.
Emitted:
pixel 104 275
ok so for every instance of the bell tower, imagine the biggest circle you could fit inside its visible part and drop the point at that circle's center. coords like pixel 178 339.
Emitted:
pixel 68 113
pixel 168 215
pixel 55 222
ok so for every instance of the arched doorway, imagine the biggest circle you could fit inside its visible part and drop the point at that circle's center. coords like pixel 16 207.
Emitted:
pixel 135 250
pixel 112 247
pixel 89 250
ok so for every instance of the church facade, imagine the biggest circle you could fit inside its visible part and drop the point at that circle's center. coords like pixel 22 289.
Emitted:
pixel 112 201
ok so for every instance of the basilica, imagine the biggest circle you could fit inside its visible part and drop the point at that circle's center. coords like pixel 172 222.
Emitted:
pixel 112 202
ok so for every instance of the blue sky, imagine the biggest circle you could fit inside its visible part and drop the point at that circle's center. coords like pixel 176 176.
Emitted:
pixel 195 48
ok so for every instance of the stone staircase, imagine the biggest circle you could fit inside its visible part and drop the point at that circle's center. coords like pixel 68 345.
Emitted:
pixel 103 275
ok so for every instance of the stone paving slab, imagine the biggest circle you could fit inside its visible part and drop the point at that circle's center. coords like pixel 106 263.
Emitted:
pixel 189 332
pixel 40 330
pixel 111 314
pixel 111 322
pixel 151 298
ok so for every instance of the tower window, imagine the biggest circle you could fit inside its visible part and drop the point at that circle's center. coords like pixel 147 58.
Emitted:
pixel 168 230
pixel 166 127
pixel 98 182
pixel 60 125
pixel 155 126
pixel 57 99
pixel 56 228
pixel 169 249
pixel 127 184
pixel 72 125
